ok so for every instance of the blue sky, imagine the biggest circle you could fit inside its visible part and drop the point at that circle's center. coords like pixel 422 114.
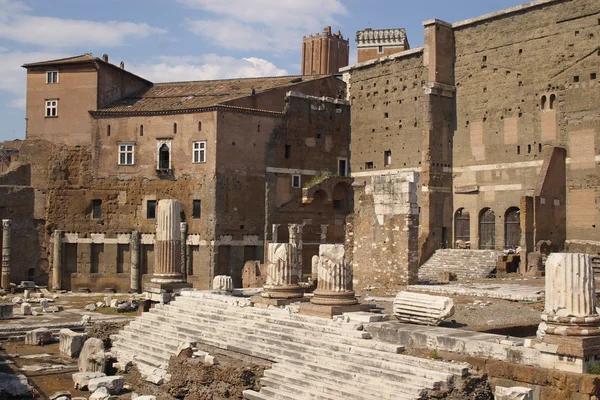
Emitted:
pixel 171 40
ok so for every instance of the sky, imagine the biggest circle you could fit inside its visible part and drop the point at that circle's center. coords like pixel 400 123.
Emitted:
pixel 180 40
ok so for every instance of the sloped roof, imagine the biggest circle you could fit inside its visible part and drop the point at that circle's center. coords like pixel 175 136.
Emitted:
pixel 61 61
pixel 177 96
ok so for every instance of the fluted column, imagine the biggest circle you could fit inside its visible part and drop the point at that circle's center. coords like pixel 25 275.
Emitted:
pixel 334 283
pixel 57 261
pixel 6 246
pixel 134 270
pixel 167 248
pixel 282 270
pixel 570 306
pixel 274 235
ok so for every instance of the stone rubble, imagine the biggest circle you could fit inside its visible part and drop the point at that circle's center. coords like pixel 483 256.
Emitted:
pixel 81 379
pixel 92 357
pixel 37 337
pixel 114 384
pixel 71 342
pixel 513 393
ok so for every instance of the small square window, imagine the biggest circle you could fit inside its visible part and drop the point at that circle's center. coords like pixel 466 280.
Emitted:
pixel 369 165
pixel 199 151
pixel 576 78
pixel 386 115
pixel 51 76
pixel 196 210
pixel 380 49
pixel 51 108
pixel 126 154
pixel 151 209
pixel 593 76
pixel 96 208
pixel 296 181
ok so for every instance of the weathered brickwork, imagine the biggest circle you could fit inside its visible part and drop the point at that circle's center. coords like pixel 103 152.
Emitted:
pixel 493 101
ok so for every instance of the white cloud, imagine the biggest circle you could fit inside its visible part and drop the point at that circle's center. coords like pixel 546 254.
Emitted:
pixel 211 66
pixel 263 24
pixel 18 25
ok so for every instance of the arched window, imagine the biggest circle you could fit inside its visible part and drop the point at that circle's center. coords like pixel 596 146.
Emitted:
pixel 462 226
pixel 512 228
pixel 141 130
pixel 552 100
pixel 164 157
pixel 175 127
pixel 544 102
pixel 487 229
pixel 199 126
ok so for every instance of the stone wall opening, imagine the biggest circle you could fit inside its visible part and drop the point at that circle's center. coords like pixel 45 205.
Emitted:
pixel 462 227
pixel 512 228
pixel 487 229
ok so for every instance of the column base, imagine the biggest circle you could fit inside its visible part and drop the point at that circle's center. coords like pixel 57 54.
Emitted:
pixel 328 298
pixel 330 311
pixel 282 292
pixel 264 302
pixel 153 286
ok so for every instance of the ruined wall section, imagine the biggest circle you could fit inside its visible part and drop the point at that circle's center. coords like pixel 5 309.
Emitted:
pixel 516 96
pixel 309 143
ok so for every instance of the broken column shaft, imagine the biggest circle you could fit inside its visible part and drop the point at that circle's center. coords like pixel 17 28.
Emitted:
pixel 282 269
pixel 57 261
pixel 334 282
pixel 168 243
pixel 134 285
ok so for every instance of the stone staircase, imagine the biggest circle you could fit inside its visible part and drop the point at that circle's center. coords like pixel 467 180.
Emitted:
pixel 313 358
pixel 466 264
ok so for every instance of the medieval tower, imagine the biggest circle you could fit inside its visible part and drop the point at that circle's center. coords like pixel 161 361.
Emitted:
pixel 324 53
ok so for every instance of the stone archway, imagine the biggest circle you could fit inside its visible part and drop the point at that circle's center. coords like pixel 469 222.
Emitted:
pixel 487 229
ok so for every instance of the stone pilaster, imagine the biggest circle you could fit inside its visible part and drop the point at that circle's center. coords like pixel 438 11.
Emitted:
pixel 6 247
pixel 183 229
pixel 334 282
pixel 282 274
pixel 167 248
pixel 134 285
pixel 57 257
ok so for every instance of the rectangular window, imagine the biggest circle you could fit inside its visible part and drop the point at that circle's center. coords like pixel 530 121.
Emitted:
pixel 296 181
pixel 342 166
pixel 196 209
pixel 380 49
pixel 369 165
pixel 126 154
pixel 96 209
pixel 387 157
pixel 199 151
pixel 51 108
pixel 150 209
pixel 51 76
pixel 288 151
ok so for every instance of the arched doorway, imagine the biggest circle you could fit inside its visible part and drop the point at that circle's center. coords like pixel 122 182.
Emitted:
pixel 512 228
pixel 462 226
pixel 163 157
pixel 487 229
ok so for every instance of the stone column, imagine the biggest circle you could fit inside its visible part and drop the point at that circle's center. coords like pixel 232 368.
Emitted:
pixel 570 307
pixel 334 284
pixel 183 229
pixel 274 235
pixel 167 247
pixel 57 261
pixel 324 233
pixel 134 285
pixel 282 270
pixel 6 236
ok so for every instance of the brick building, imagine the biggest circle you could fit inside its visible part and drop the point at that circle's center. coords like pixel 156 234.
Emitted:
pixel 104 145
pixel 489 134
pixel 324 53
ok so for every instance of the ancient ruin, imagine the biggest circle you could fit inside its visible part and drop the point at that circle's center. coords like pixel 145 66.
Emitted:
pixel 383 230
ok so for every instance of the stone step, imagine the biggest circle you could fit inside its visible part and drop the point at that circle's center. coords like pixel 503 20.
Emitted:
pixel 281 316
pixel 465 264
pixel 321 365
pixel 358 382
pixel 252 395
pixel 208 316
pixel 307 353
pixel 306 391
pixel 308 346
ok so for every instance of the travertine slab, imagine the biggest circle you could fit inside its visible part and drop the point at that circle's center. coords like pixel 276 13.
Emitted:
pixel 423 309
